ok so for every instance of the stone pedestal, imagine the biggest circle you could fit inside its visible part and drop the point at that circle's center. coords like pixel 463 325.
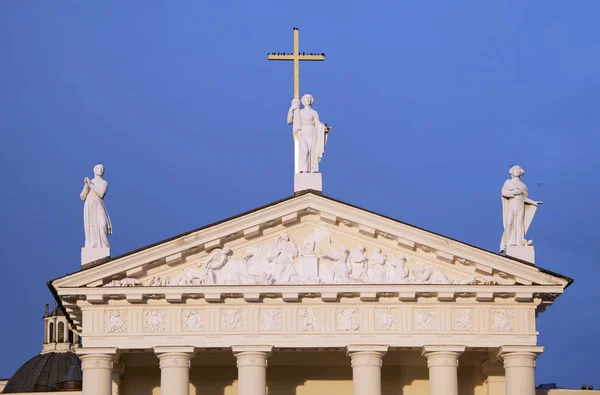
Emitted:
pixel 252 369
pixel 524 253
pixel 442 362
pixel 97 365
pixel 519 367
pixel 89 255
pixel 309 266
pixel 366 363
pixel 175 363
pixel 306 181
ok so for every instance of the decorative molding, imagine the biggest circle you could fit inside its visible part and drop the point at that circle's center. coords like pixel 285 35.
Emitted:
pixel 116 321
pixel 423 319
pixel 502 320
pixel 385 320
pixel 271 319
pixel 231 319
pixel 193 321
pixel 309 320
pixel 347 320
pixel 462 319
pixel 155 320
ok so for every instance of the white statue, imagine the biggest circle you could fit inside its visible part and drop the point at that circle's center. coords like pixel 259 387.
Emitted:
pixel 215 261
pixel 400 272
pixel 517 210
pixel 311 133
pixel 95 217
pixel 359 260
pixel 377 267
pixel 282 254
pixel 342 269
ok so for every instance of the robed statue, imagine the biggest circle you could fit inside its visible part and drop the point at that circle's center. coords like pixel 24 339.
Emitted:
pixel 310 132
pixel 95 217
pixel 517 210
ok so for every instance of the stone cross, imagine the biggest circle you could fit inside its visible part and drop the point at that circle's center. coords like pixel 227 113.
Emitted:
pixel 296 56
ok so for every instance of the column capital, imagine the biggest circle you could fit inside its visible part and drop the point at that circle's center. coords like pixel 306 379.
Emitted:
pixel 519 356
pixel 251 356
pixel 366 354
pixel 442 355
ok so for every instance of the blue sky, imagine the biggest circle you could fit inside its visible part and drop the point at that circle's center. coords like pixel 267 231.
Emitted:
pixel 431 103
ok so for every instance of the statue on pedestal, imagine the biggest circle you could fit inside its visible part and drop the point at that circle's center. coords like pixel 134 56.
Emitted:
pixel 95 217
pixel 517 210
pixel 310 132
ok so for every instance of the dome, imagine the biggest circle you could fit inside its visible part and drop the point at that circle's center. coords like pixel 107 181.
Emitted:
pixel 43 372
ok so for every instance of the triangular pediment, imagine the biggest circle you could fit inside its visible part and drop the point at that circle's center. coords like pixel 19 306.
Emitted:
pixel 302 240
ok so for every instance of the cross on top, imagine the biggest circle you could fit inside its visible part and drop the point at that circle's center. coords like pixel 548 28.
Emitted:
pixel 296 56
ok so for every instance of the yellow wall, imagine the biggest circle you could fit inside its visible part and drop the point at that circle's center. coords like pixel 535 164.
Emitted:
pixel 300 380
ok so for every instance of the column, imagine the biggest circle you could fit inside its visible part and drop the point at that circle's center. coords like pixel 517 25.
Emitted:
pixel 366 361
pixel 519 366
pixel 117 371
pixel 493 371
pixel 442 362
pixel 97 365
pixel 252 368
pixel 175 363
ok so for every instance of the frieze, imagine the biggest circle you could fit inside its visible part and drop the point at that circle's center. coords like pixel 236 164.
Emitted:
pixel 316 261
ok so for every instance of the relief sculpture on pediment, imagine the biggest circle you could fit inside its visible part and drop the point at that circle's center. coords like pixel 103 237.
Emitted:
pixel 282 262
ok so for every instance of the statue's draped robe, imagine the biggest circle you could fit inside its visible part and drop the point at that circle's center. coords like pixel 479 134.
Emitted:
pixel 517 214
pixel 312 138
pixel 95 217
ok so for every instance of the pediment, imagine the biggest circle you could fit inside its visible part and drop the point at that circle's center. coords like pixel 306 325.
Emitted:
pixel 303 240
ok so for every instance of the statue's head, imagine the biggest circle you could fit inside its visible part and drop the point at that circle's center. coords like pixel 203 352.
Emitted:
pixel 308 100
pixel 98 170
pixel 360 248
pixel 516 171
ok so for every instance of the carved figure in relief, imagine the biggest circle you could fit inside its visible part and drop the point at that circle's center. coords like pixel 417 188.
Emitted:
pixel 95 217
pixel 502 320
pixel 270 320
pixel 308 321
pixel 479 280
pixel 231 319
pixel 311 133
pixel 341 266
pixel 376 271
pixel 423 319
pixel 116 321
pixel 427 274
pixel 126 282
pixel 463 320
pixel 282 254
pixel 193 321
pixel 358 258
pixel 347 320
pixel 215 261
pixel 399 272
pixel 517 210
pixel 385 319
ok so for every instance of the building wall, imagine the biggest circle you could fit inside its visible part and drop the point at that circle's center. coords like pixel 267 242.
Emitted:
pixel 300 380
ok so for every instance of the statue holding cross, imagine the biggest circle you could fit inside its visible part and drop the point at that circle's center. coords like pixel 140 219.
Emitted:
pixel 310 134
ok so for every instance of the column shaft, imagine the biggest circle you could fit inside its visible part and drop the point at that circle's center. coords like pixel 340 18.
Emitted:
pixel 519 367
pixel 252 369
pixel 442 362
pixel 175 363
pixel 366 361
pixel 97 373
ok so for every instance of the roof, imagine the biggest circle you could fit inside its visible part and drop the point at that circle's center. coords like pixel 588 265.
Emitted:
pixel 105 261
pixel 43 372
